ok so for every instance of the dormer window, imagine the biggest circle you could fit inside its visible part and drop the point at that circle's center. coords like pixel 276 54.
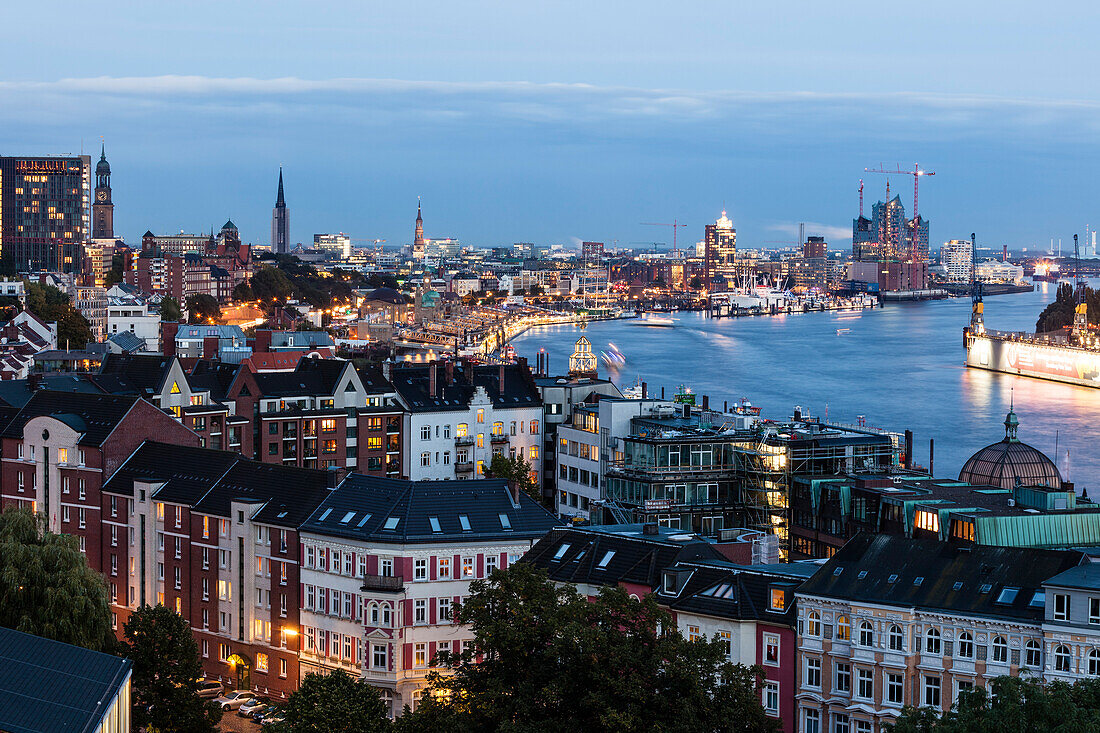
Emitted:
pixel 777 599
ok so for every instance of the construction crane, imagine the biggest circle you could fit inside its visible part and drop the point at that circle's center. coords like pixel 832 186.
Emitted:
pixel 860 198
pixel 916 173
pixel 1080 312
pixel 653 244
pixel 675 225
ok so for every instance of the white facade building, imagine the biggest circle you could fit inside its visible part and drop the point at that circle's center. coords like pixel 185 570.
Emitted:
pixel 957 257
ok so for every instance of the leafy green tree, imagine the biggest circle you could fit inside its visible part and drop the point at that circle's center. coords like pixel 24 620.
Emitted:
pixel 166 673
pixel 202 307
pixel 1015 704
pixel 1059 313
pixel 271 283
pixel 170 310
pixel 553 661
pixel 696 283
pixel 516 470
pixel 52 305
pixel 46 586
pixel 334 702
pixel 243 292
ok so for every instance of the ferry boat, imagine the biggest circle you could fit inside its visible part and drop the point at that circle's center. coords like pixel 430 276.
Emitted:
pixel 652 319
pixel 1071 355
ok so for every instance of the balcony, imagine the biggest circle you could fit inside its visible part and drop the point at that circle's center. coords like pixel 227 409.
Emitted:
pixel 464 440
pixel 498 439
pixel 383 583
pixel 464 467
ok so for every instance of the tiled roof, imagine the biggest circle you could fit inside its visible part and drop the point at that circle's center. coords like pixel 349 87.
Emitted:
pixel 214 376
pixel 399 512
pixel 310 377
pixel 373 380
pixel 140 374
pixel 187 472
pixel 941 576
pixel 17 392
pixel 413 384
pixel 635 557
pixel 728 590
pixel 46 685
pixel 94 415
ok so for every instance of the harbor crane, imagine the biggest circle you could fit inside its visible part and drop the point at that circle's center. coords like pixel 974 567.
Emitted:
pixel 916 173
pixel 675 226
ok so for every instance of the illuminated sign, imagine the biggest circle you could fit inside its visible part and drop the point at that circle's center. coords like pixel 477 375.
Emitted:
pixel 657 505
pixel 46 166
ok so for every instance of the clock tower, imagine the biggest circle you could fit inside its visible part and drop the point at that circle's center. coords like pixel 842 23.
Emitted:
pixel 103 211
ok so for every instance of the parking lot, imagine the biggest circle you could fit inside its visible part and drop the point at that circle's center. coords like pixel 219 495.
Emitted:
pixel 233 722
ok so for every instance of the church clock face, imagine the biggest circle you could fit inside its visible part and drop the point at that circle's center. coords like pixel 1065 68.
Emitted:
pixel 101 196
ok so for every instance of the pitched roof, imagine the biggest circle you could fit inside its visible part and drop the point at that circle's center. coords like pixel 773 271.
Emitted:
pixel 728 590
pixel 17 392
pixel 212 376
pixel 964 579
pixel 374 381
pixel 140 374
pixel 402 512
pixel 187 472
pixel 413 385
pixel 128 341
pixel 577 554
pixel 47 685
pixel 94 415
pixel 288 493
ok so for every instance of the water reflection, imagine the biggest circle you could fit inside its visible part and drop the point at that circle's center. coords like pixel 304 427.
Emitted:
pixel 901 367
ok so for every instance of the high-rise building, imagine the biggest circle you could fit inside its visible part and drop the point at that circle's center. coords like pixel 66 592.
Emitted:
pixel 280 222
pixel 814 248
pixel 591 251
pixel 338 244
pixel 103 210
pixel 45 211
pixel 720 249
pixel 958 257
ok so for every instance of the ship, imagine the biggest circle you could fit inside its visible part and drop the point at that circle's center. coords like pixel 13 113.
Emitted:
pixel 1071 355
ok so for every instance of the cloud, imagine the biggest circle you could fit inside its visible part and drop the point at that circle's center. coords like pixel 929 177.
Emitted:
pixel 813 229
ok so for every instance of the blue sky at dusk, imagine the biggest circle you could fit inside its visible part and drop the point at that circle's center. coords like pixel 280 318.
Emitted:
pixel 565 121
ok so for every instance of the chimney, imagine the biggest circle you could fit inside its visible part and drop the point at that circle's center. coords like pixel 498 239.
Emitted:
pixel 209 347
pixel 513 489
pixel 449 367
pixel 168 338
pixel 649 528
pixel 263 341
pixel 706 402
pixel 645 390
pixel 500 380
pixel 386 368
pixel 432 380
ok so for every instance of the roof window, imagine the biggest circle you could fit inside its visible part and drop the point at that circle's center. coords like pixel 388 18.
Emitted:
pixel 505 522
pixel 347 517
pixel 837 572
pixel 391 523
pixel 893 578
pixel 324 514
pixel 363 521
pixel 562 549
pixel 464 522
pixel 434 521
pixel 958 585
pixel 986 587
pixel 1008 595
pixel 862 575
pixel 918 580
pixel 605 559
pixel 1039 600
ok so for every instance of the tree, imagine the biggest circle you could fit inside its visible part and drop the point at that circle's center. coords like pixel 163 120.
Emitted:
pixel 270 283
pixel 243 292
pixel 166 673
pixel 696 283
pixel 51 305
pixel 1060 312
pixel 515 469
pixel 334 702
pixel 551 660
pixel 170 310
pixel 118 263
pixel 46 586
pixel 202 307
pixel 1016 704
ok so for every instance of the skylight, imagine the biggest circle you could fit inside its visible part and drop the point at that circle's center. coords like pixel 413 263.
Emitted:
pixel 505 522
pixel 1039 600
pixel 363 520
pixel 958 585
pixel 838 571
pixel 986 587
pixel 281 515
pixel 862 575
pixel 464 522
pixel 892 579
pixel 324 514
pixel 1008 595
pixel 347 518
pixel 918 580
pixel 564 548
pixel 391 523
pixel 606 559
pixel 434 521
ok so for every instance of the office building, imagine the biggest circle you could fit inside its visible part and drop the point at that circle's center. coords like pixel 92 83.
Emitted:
pixel 338 244
pixel 720 250
pixel 45 211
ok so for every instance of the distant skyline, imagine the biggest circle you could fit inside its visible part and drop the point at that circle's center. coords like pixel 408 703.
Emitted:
pixel 571 122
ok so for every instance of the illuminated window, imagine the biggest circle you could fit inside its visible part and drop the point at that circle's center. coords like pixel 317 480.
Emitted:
pixel 843 628
pixel 462 430
pixel 328 426
pixel 778 599
pixel 813 624
pixel 498 428
pixel 481 415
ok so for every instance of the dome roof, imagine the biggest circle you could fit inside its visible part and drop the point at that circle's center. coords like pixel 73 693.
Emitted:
pixel 386 295
pixel 103 167
pixel 1010 462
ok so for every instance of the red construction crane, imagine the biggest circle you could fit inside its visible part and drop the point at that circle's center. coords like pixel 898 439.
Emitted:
pixel 860 198
pixel 916 173
pixel 675 225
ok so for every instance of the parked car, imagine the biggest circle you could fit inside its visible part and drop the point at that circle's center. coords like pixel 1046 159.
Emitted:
pixel 249 708
pixel 266 711
pixel 210 689
pixel 271 720
pixel 233 700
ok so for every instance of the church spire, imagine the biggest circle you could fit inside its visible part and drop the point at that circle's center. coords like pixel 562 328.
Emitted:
pixel 280 201
pixel 418 231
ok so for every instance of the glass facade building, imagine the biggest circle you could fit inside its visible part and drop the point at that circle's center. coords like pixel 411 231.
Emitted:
pixel 45 211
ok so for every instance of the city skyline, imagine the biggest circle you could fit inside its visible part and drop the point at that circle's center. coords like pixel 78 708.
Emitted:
pixel 521 125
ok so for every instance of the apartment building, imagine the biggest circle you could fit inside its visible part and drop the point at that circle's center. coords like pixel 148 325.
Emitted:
pixel 458 415
pixel 384 563
pixel 889 622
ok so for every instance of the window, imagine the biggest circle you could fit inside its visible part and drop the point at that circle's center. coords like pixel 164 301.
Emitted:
pixel 444 606
pixel 425 432
pixel 813 624
pixel 1061 658
pixel 894 688
pixel 727 643
pixel 896 640
pixel 443 567
pixel 1061 607
pixel 420 611
pixel 1094 662
pixel 378 656
pixel 931 691
pixel 866 634
pixel 534 453
pixel 467 567
pixel 812 722
pixel 425 459
pixel 771 650
pixel 282 668
pixel 261 662
pixel 865 684
pixel 1033 655
pixel 771 699
pixel 462 430
pixel 420 569
pixel 693 633
pixel 932 645
pixel 843 680
pixel 385 567
pixel 1000 650
pixel 966 645
pixel 963 686
pixel 480 416
pixel 420 655
pixel 1094 610
pixel 328 426
pixel 812 672
pixel 491 564
pixel 840 723
pixel 843 628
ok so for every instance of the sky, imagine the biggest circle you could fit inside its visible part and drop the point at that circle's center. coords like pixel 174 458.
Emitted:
pixel 566 121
